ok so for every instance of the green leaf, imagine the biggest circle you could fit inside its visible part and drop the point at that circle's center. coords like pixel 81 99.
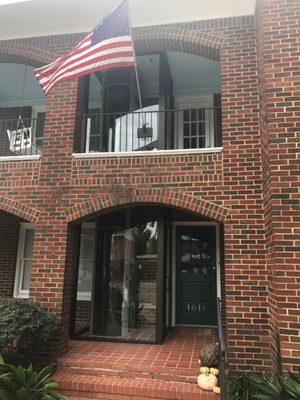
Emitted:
pixel 57 396
pixel 263 397
pixel 51 385
pixel 291 387
pixel 26 384
pixel 20 373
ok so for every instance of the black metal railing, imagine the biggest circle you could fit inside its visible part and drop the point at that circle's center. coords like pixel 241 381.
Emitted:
pixel 222 352
pixel 22 136
pixel 150 130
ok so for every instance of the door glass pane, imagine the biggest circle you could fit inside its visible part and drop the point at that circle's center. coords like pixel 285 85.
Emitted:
pixel 186 143
pixel 27 265
pixel 85 278
pixel 193 128
pixel 85 274
pixel 130 298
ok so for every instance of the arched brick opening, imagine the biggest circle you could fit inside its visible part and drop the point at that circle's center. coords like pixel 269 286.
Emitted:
pixel 18 209
pixel 22 54
pixel 185 202
pixel 166 38
pixel 78 313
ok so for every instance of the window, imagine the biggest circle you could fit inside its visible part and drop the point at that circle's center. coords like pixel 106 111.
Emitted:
pixel 85 278
pixel 24 260
pixel 195 123
pixel 86 261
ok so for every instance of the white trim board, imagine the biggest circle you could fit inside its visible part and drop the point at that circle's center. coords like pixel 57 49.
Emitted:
pixel 153 153
pixel 20 158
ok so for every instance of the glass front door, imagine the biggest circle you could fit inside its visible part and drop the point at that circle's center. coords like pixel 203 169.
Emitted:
pixel 125 284
pixel 125 291
pixel 196 276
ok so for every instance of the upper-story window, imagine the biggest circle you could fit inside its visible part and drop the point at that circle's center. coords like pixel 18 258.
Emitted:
pixel 22 111
pixel 180 96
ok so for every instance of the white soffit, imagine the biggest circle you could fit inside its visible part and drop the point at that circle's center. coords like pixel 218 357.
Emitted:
pixel 51 17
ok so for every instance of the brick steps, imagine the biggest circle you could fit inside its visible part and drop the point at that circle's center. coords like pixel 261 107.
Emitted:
pixel 120 371
pixel 84 387
pixel 129 372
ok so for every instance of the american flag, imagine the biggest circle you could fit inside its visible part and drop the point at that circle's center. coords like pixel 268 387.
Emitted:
pixel 108 46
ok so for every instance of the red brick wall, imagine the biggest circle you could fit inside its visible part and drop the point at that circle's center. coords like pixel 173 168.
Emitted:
pixel 225 186
pixel 278 53
pixel 82 319
pixel 9 234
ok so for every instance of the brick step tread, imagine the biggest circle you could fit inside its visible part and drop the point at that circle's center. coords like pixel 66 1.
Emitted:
pixel 75 396
pixel 96 365
pixel 114 388
pixel 99 396
pixel 158 374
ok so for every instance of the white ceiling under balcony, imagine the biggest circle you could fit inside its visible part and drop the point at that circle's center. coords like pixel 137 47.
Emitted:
pixel 12 82
pixel 190 73
pixel 29 18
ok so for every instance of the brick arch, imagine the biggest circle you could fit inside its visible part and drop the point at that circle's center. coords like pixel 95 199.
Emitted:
pixel 23 54
pixel 157 39
pixel 20 210
pixel 122 197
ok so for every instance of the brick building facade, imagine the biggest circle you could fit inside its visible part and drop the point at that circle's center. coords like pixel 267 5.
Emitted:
pixel 248 186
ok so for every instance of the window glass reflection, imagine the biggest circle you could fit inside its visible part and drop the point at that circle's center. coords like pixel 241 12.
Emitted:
pixel 85 277
pixel 131 283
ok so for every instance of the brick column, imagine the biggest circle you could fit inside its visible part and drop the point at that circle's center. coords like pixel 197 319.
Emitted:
pixel 49 278
pixel 247 324
pixel 277 24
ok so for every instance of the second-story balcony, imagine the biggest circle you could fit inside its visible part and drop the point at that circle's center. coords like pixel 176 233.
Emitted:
pixel 178 106
pixel 152 129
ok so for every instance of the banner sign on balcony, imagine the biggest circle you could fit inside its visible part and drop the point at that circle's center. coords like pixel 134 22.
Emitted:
pixel 20 139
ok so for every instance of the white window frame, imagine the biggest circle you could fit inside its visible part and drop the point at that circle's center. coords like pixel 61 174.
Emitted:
pixel 86 296
pixel 18 291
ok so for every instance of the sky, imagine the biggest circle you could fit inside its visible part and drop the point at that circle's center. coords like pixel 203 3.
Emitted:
pixel 10 1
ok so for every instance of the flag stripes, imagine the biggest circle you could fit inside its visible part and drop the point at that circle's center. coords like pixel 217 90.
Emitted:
pixel 108 46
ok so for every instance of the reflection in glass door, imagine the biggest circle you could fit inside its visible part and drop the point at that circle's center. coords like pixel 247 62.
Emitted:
pixel 126 282
pixel 84 278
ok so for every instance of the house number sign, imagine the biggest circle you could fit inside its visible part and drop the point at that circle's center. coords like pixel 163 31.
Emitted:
pixel 195 307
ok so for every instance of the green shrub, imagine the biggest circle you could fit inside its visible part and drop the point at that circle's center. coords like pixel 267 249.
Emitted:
pixel 24 325
pixel 263 387
pixel 18 383
pixel 282 387
pixel 241 387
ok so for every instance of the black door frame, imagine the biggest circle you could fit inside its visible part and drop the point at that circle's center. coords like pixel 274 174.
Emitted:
pixel 98 277
pixel 165 224
pixel 174 259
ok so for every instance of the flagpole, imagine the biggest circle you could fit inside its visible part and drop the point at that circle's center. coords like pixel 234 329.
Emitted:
pixel 135 66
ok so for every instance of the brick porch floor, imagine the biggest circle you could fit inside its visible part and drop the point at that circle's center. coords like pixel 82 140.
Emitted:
pixel 117 371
